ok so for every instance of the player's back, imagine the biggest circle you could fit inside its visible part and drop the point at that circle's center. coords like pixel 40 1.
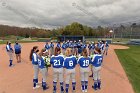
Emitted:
pixel 84 62
pixel 57 61
pixel 70 62
pixel 97 60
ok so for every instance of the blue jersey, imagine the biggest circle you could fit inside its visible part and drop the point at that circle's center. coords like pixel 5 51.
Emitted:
pixel 41 63
pixel 92 46
pixel 35 59
pixel 70 62
pixel 106 45
pixel 57 61
pixel 9 48
pixel 51 45
pixel 71 45
pixel 64 46
pixel 102 47
pixel 97 60
pixel 58 45
pixel 84 46
pixel 47 46
pixel 84 62
pixel 17 47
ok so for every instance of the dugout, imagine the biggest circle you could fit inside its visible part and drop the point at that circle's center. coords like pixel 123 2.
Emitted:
pixel 71 38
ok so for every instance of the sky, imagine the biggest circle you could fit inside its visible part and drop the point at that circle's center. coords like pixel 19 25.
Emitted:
pixel 58 13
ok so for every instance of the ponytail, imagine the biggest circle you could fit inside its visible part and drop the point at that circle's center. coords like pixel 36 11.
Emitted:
pixel 31 53
pixel 57 49
pixel 85 53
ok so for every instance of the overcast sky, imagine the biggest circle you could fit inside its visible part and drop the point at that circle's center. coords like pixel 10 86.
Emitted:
pixel 55 13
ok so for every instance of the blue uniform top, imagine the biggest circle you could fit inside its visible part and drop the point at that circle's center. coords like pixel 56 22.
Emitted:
pixel 106 45
pixel 35 59
pixel 102 47
pixel 47 46
pixel 64 46
pixel 84 45
pixel 84 62
pixel 97 60
pixel 71 45
pixel 41 63
pixel 51 45
pixel 57 61
pixel 58 45
pixel 17 47
pixel 9 48
pixel 70 62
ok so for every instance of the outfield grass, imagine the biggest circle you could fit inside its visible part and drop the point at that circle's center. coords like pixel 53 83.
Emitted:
pixel 130 60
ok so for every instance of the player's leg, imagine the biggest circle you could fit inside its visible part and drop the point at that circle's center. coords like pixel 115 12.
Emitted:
pixel 35 80
pixel 86 80
pixel 11 58
pixel 82 81
pixel 20 57
pixel 98 78
pixel 95 73
pixel 44 78
pixel 73 81
pixel 67 82
pixel 54 81
pixel 61 76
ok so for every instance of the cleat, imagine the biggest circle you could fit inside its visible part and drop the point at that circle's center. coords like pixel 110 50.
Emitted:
pixel 36 87
pixel 73 91
pixel 85 90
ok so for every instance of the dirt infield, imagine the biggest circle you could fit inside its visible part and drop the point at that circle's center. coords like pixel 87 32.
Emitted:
pixel 18 79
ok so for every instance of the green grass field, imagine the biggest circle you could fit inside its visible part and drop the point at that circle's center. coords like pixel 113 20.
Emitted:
pixel 130 60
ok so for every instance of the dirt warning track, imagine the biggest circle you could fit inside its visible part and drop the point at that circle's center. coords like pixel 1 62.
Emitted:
pixel 18 79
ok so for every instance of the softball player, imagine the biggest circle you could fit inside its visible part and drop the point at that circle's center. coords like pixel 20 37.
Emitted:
pixel 79 46
pixel 58 45
pixel 51 48
pixel 17 47
pixel 43 69
pixel 10 51
pixel 57 62
pixel 84 62
pixel 102 47
pixel 34 59
pixel 47 46
pixel 75 48
pixel 70 63
pixel 64 48
pixel 97 62
pixel 106 47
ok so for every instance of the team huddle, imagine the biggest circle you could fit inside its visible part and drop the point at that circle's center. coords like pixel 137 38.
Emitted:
pixel 67 56
pixel 64 58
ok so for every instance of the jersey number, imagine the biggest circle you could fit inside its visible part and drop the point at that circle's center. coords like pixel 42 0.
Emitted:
pixel 56 62
pixel 86 63
pixel 70 63
pixel 99 61
pixel 39 62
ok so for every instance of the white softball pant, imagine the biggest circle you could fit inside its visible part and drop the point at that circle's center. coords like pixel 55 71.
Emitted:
pixel 58 74
pixel 96 73
pixel 44 74
pixel 70 74
pixel 10 54
pixel 36 71
pixel 84 73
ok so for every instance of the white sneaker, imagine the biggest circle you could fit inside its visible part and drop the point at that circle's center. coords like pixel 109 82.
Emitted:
pixel 36 87
pixel 85 90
